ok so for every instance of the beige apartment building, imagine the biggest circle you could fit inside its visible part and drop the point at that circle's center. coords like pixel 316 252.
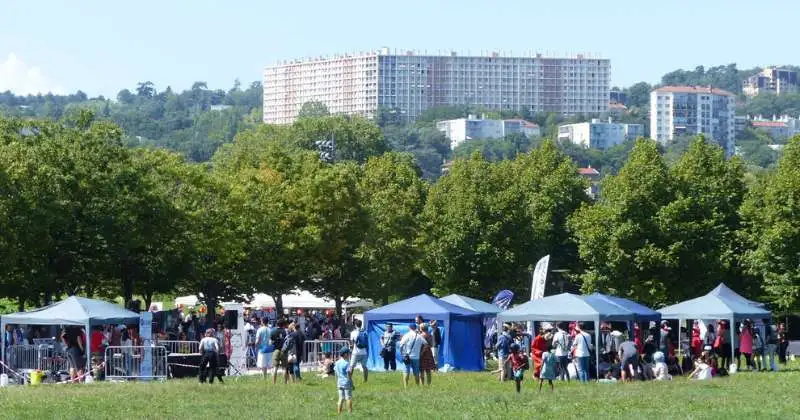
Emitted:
pixel 410 83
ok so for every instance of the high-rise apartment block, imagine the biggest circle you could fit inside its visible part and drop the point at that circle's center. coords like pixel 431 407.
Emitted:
pixel 408 84
pixel 691 110
pixel 772 80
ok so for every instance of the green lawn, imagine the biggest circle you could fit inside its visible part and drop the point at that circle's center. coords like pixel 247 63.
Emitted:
pixel 456 395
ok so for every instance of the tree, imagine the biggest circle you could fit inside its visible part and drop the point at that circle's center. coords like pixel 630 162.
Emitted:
pixel 772 231
pixel 313 109
pixel 145 89
pixel 638 94
pixel 356 138
pixel 393 196
pixel 619 238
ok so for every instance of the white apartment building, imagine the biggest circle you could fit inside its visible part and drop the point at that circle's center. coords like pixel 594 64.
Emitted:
pixel 599 134
pixel 463 129
pixel 692 110
pixel 772 80
pixel 410 83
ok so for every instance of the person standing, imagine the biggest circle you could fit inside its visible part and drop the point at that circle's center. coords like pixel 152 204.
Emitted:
pixel 410 348
pixel 697 343
pixel 503 348
pixel 264 347
pixel 771 344
pixel 561 351
pixel 538 348
pixel 581 348
pixel 290 350
pixel 344 381
pixel 299 344
pixel 209 349
pixel 75 352
pixel 518 362
pixel 548 372
pixel 663 339
pixel 389 348
pixel 746 344
pixel 783 342
pixel 278 337
pixel 360 342
pixel 436 333
pixel 427 364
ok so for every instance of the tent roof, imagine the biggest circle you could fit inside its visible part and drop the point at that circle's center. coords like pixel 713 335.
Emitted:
pixel 726 292
pixel 566 306
pixel 712 306
pixel 473 304
pixel 425 305
pixel 641 312
pixel 75 310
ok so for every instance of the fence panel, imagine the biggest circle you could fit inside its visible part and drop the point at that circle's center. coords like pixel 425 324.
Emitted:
pixel 181 347
pixel 315 351
pixel 125 362
pixel 23 356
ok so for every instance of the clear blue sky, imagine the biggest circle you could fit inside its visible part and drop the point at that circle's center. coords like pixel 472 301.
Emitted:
pixel 102 46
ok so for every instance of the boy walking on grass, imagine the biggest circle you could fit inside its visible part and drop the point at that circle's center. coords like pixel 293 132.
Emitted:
pixel 518 362
pixel 344 380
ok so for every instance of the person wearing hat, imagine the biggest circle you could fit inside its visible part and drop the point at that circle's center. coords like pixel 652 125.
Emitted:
pixel 663 339
pixel 411 348
pixel 344 380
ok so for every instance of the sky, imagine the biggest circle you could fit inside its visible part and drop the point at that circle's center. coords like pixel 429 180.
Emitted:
pixel 101 46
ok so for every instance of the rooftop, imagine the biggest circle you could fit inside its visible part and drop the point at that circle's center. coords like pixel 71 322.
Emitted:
pixel 524 123
pixel 777 124
pixel 588 171
pixel 693 89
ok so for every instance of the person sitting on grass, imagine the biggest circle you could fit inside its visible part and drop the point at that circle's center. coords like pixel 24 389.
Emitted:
pixel 518 362
pixel 702 371
pixel 660 370
pixel 548 372
pixel 326 366
pixel 344 380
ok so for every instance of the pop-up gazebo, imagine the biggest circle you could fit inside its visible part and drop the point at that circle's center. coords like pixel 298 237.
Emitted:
pixel 715 305
pixel 569 307
pixel 76 311
pixel 487 309
pixel 461 345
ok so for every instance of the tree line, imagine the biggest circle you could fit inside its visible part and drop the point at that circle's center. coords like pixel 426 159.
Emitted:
pixel 83 214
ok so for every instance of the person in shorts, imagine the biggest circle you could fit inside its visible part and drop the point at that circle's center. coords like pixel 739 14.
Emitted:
pixel 262 343
pixel 344 381
pixel 518 362
pixel 360 343
pixel 278 337
pixel 629 360
pixel 411 348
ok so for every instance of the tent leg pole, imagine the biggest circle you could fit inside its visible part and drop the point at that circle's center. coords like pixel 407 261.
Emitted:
pixel 3 343
pixel 680 353
pixel 88 349
pixel 733 351
pixel 597 350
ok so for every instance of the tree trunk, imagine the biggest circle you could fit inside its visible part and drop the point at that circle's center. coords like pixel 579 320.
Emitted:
pixel 338 301
pixel 21 304
pixel 127 290
pixel 211 308
pixel 385 299
pixel 148 300
pixel 278 298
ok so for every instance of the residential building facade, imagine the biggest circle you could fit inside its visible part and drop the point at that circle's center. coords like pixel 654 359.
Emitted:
pixel 472 127
pixel 691 110
pixel 772 80
pixel 410 83
pixel 779 128
pixel 599 134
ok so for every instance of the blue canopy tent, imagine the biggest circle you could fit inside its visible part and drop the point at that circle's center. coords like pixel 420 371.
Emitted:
pixel 641 313
pixel 487 309
pixel 726 292
pixel 461 345
pixel 75 311
pixel 715 305
pixel 569 307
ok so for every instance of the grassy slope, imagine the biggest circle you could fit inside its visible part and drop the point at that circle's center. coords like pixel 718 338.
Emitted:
pixel 458 395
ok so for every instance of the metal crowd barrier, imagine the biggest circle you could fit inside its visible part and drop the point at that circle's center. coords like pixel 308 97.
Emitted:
pixel 126 362
pixel 29 357
pixel 315 351
pixel 182 347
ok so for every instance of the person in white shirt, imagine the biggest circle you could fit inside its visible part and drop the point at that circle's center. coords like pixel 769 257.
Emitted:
pixel 262 345
pixel 702 371
pixel 410 348
pixel 209 348
pixel 581 348
pixel 561 348
pixel 359 343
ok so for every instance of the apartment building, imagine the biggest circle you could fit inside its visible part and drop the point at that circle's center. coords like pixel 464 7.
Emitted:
pixel 410 83
pixel 772 80
pixel 472 127
pixel 691 110
pixel 599 134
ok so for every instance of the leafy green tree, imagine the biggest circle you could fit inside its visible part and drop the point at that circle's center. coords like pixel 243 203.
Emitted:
pixel 393 196
pixel 638 94
pixel 772 230
pixel 313 109
pixel 619 238
pixel 356 138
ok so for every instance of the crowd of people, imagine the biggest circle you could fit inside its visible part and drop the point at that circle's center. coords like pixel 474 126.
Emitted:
pixel 568 351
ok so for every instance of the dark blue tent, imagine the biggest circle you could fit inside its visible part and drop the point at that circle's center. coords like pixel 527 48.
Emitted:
pixel 462 339
pixel 640 312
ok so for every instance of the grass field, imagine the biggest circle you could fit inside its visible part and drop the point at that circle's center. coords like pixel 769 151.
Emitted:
pixel 455 395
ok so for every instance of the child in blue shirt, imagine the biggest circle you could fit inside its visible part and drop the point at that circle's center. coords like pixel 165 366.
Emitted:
pixel 344 380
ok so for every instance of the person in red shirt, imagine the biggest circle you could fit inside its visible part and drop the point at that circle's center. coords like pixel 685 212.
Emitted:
pixel 519 362
pixel 697 342
pixel 96 341
pixel 538 348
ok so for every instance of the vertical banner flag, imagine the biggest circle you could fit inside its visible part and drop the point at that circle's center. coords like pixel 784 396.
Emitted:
pixel 503 301
pixel 539 278
pixel 146 333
